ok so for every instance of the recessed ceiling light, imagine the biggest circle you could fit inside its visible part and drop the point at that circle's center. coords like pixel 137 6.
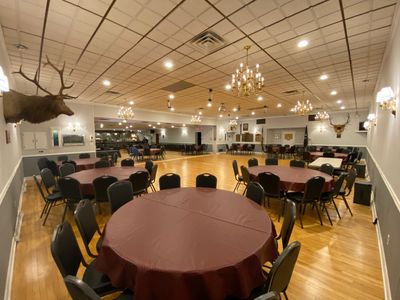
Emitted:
pixel 154 127
pixel 279 105
pixel 339 101
pixel 323 77
pixel 228 87
pixel 237 118
pixel 333 93
pixel 119 123
pixel 168 64
pixel 123 121
pixel 149 125
pixel 260 98
pixel 184 125
pixel 158 123
pixel 172 126
pixel 342 107
pixel 130 126
pixel 131 102
pixel 171 96
pixel 126 127
pixel 101 125
pixel 302 44
pixel 200 113
pixel 106 82
pixel 172 109
pixel 234 109
pixel 221 116
pixel 253 113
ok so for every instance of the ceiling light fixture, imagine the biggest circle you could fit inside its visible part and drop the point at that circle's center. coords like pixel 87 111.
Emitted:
pixel 260 98
pixel 4 86
pixel 221 115
pixel 106 82
pixel 172 126
pixel 279 105
pixel 228 87
pixel 245 81
pixel 120 123
pixel 386 99
pixel 126 113
pixel 183 125
pixel 131 102
pixel 101 125
pixel 323 77
pixel 209 103
pixel 253 113
pixel 302 44
pixel 149 125
pixel 222 108
pixel 168 64
pixel 195 119
pixel 302 107
pixel 158 123
pixel 322 115
pixel 339 101
pixel 171 96
pixel 333 93
pixel 342 107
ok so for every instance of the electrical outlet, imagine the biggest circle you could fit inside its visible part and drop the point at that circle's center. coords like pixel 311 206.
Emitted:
pixel 388 240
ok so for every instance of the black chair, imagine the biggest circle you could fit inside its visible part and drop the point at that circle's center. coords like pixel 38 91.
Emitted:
pixel 102 164
pixel 255 192
pixel 297 163
pixel 100 185
pixel 84 155
pixel 50 200
pixel 344 192
pixel 289 219
pixel 327 168
pixel 42 163
pixel 307 157
pixel 279 276
pixel 329 197
pixel 119 193
pixel 246 177
pixel 52 165
pixel 328 154
pixel 66 169
pixel 252 162
pixel 68 257
pixel 70 188
pixel 152 178
pixel 62 157
pixel 48 180
pixel 127 162
pixel 149 165
pixel 79 290
pixel 139 182
pixel 86 222
pixel 311 195
pixel 169 181
pixel 271 161
pixel 271 184
pixel 206 180
pixel 238 178
pixel 268 296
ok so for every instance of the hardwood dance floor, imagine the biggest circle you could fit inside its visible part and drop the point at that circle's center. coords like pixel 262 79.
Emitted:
pixel 339 262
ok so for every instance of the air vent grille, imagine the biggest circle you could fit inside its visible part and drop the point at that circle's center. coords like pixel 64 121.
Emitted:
pixel 113 93
pixel 291 92
pixel 178 86
pixel 206 42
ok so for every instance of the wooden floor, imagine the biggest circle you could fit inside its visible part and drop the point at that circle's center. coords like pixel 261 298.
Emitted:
pixel 339 262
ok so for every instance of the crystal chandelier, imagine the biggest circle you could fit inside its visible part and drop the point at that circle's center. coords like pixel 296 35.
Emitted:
pixel 322 115
pixel 303 107
pixel 195 119
pixel 245 81
pixel 126 113
pixel 386 99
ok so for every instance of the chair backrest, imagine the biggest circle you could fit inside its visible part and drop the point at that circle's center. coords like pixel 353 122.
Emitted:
pixel 282 269
pixel 52 165
pixel 327 169
pixel 350 179
pixel 42 163
pixel 100 185
pixel 48 179
pixel 62 157
pixel 235 168
pixel 127 162
pixel 35 178
pixel 289 219
pixel 169 181
pixel 252 162
pixel 70 188
pixel 306 156
pixel 85 219
pixel 338 184
pixel 153 174
pixel 119 193
pixel 271 184
pixel 245 174
pixel 269 296
pixel 271 161
pixel 255 192
pixel 359 155
pixel 84 155
pixel 65 250
pixel 102 164
pixel 328 154
pixel 297 163
pixel 149 165
pixel 313 189
pixel 67 169
pixel 79 290
pixel 206 180
pixel 139 182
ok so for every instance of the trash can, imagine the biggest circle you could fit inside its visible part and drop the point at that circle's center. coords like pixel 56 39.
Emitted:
pixel 360 170
pixel 362 193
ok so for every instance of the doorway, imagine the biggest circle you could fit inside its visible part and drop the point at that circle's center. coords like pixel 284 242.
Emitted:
pixel 198 138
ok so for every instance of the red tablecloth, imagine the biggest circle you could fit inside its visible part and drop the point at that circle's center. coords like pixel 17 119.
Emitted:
pixel 86 177
pixel 83 163
pixel 315 155
pixel 292 178
pixel 152 150
pixel 187 243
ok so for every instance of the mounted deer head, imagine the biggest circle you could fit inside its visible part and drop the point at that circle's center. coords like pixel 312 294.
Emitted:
pixel 339 128
pixel 37 109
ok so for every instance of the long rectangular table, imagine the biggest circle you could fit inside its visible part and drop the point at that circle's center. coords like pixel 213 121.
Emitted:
pixel 335 162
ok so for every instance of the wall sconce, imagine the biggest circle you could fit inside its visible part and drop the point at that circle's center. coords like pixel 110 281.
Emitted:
pixel 74 126
pixel 385 98
pixel 371 121
pixel 184 131
pixel 4 87
pixel 321 128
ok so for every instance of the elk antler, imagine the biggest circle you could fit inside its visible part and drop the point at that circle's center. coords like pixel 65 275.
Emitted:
pixel 34 80
pixel 347 121
pixel 61 74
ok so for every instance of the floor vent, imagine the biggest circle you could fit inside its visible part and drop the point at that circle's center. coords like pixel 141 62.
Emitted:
pixel 207 42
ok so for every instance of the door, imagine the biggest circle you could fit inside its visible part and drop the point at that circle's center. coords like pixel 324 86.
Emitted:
pixel 157 138
pixel 198 138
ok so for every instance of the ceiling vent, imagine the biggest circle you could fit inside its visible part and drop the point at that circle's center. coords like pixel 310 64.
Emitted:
pixel 178 86
pixel 291 92
pixel 113 92
pixel 207 42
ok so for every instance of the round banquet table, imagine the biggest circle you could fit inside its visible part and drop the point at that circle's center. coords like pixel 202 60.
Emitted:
pixel 83 163
pixel 292 178
pixel 317 154
pixel 152 150
pixel 187 243
pixel 86 177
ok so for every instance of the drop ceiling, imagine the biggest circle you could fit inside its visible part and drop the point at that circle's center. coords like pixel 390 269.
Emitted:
pixel 128 42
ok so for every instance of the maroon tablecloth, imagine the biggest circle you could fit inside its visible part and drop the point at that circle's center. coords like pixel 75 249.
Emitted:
pixel 187 243
pixel 152 150
pixel 86 177
pixel 83 163
pixel 315 155
pixel 292 178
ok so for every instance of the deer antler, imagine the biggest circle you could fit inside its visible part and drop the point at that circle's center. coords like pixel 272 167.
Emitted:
pixel 348 119
pixel 61 74
pixel 34 80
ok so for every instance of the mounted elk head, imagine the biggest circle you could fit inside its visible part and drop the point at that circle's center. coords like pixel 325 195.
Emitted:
pixel 36 109
pixel 339 128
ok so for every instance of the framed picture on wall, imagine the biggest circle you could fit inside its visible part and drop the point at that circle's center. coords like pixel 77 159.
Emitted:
pixel 245 127
pixel 55 137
